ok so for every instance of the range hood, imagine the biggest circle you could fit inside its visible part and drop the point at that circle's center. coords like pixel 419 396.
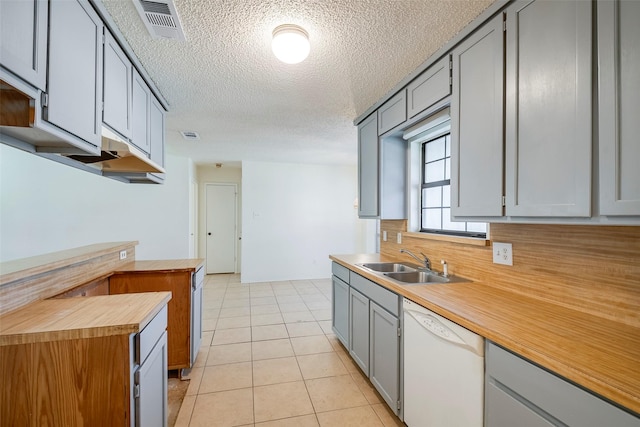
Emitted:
pixel 118 155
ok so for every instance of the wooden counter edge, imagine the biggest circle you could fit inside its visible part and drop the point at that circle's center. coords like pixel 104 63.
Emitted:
pixel 92 332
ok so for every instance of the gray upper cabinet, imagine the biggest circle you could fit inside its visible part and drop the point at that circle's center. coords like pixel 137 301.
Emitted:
pixel 548 108
pixel 477 123
pixel 75 70
pixel 140 113
pixel 117 87
pixel 393 177
pixel 368 168
pixel 23 31
pixel 156 132
pixel 393 112
pixel 619 86
pixel 429 87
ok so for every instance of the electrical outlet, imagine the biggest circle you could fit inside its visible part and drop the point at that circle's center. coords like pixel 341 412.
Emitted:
pixel 502 253
pixel 123 254
pixel 399 238
pixel 384 235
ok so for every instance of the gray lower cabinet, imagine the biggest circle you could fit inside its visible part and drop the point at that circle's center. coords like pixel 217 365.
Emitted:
pixel 74 84
pixel 519 393
pixel 23 31
pixel 197 282
pixel 368 168
pixel 375 336
pixel 619 103
pixel 149 368
pixel 384 355
pixel 340 310
pixel 359 329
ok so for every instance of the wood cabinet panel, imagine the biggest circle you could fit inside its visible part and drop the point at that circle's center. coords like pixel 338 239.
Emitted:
pixel 56 370
pixel 179 307
pixel 117 87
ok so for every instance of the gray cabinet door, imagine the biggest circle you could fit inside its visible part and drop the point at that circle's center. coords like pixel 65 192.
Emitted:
pixel 156 132
pixel 368 168
pixel 23 31
pixel 519 393
pixel 477 143
pixel 151 380
pixel 140 112
pixel 359 329
pixel 196 320
pixel 429 87
pixel 393 112
pixel 384 354
pixel 117 87
pixel 619 103
pixel 393 177
pixel 340 310
pixel 548 108
pixel 74 81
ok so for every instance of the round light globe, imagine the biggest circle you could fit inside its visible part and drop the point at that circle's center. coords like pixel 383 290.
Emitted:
pixel 290 43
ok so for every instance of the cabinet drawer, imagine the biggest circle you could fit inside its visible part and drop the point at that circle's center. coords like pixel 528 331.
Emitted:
pixel 340 271
pixel 149 336
pixel 515 385
pixel 429 87
pixel 198 278
pixel 393 112
pixel 383 297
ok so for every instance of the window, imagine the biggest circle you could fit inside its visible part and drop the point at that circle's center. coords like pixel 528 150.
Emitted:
pixel 435 199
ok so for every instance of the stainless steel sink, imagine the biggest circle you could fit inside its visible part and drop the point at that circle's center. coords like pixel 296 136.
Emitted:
pixel 422 277
pixel 389 267
pixel 418 277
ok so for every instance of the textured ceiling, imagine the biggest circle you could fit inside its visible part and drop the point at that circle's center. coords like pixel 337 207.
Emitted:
pixel 225 83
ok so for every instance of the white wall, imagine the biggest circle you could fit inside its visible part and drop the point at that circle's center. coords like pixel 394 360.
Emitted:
pixel 47 207
pixel 208 174
pixel 294 216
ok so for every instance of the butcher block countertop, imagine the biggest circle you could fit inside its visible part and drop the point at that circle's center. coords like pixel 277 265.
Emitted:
pixel 598 354
pixel 87 317
pixel 162 265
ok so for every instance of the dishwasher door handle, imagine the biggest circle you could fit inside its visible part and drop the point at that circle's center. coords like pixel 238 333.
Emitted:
pixel 435 327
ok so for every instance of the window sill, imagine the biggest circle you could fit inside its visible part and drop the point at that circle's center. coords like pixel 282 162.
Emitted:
pixel 473 241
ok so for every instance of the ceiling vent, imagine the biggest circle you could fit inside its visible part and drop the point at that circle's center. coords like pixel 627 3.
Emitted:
pixel 160 18
pixel 190 135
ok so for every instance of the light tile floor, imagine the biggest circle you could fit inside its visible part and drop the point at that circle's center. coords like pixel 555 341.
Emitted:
pixel 269 358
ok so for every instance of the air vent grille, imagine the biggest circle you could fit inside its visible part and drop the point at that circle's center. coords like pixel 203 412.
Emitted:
pixel 190 135
pixel 160 18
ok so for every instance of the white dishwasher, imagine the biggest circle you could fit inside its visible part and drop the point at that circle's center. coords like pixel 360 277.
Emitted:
pixel 443 371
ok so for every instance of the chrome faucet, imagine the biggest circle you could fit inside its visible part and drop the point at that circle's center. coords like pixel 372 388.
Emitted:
pixel 425 261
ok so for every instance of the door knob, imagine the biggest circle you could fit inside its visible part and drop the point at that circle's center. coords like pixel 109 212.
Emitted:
pixel 209 234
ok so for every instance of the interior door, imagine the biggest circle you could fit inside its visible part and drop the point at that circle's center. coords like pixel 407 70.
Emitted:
pixel 221 226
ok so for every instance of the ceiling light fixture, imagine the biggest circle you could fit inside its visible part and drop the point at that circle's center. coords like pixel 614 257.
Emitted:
pixel 290 43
